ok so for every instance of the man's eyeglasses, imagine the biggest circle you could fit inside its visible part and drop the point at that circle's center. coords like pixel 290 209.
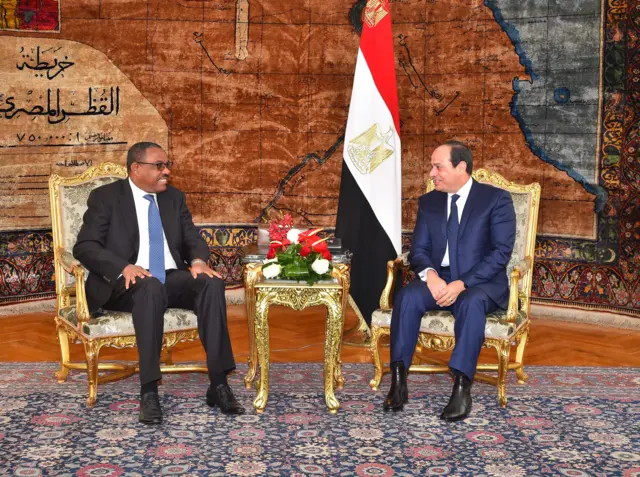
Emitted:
pixel 159 165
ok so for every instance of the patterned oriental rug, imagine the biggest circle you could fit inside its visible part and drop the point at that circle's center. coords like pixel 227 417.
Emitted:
pixel 566 421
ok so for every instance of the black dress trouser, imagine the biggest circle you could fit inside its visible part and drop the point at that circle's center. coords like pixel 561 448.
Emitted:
pixel 147 301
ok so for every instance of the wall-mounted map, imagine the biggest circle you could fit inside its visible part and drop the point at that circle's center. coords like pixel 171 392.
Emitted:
pixel 63 107
pixel 251 97
pixel 255 95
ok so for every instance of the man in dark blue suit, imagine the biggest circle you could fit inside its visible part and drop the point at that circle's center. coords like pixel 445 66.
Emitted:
pixel 462 242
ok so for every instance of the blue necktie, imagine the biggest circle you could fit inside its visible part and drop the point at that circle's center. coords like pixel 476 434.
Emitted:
pixel 452 237
pixel 156 241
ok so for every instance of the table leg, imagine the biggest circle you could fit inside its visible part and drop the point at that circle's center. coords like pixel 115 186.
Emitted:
pixel 333 334
pixel 339 379
pixel 262 344
pixel 251 274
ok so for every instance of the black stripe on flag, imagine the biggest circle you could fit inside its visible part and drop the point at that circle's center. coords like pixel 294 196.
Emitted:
pixel 361 233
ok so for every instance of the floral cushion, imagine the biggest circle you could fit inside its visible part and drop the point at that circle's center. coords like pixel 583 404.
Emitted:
pixel 281 281
pixel 441 322
pixel 118 323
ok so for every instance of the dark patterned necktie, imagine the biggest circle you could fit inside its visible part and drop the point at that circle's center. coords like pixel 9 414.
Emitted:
pixel 452 237
pixel 156 241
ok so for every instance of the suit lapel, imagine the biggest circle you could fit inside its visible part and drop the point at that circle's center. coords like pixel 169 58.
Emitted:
pixel 166 209
pixel 469 206
pixel 128 211
pixel 442 214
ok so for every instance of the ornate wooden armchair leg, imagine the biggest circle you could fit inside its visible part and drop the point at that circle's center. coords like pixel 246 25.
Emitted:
pixel 167 356
pixel 338 379
pixel 262 346
pixel 337 372
pixel 91 350
pixel 522 343
pixel 251 275
pixel 333 334
pixel 374 347
pixel 63 339
pixel 503 350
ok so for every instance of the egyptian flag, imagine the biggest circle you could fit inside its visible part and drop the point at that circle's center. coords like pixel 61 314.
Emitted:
pixel 369 210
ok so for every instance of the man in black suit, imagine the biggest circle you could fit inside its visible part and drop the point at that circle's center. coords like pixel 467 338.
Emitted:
pixel 462 242
pixel 145 255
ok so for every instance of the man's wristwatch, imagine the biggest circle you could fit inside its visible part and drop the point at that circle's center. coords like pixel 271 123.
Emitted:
pixel 198 260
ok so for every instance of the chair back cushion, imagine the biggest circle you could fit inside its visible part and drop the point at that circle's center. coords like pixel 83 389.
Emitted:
pixel 522 206
pixel 526 200
pixel 73 205
pixel 69 202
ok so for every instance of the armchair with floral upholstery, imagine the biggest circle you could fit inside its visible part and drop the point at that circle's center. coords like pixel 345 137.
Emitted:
pixel 74 323
pixel 503 330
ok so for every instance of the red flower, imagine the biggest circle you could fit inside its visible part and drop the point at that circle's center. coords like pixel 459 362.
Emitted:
pixel 275 246
pixel 319 245
pixel 308 234
pixel 305 250
pixel 278 228
pixel 311 242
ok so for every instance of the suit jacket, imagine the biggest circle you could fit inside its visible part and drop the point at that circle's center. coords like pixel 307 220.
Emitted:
pixel 485 238
pixel 109 238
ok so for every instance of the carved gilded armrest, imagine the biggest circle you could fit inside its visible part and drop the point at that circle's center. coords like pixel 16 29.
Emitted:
pixel 393 266
pixel 523 266
pixel 74 267
pixel 519 270
pixel 68 261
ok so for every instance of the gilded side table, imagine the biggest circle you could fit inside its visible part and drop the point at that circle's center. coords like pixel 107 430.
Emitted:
pixel 260 294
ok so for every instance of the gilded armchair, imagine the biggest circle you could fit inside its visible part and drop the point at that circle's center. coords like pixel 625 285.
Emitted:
pixel 74 323
pixel 503 330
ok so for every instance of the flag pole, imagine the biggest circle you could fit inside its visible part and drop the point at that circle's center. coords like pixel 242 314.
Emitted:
pixel 359 335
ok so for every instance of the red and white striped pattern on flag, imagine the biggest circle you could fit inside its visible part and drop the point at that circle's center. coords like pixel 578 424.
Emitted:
pixel 372 141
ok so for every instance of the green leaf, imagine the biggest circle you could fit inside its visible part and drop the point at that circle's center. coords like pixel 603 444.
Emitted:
pixel 296 272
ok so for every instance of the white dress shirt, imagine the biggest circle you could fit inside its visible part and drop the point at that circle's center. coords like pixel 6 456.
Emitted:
pixel 463 194
pixel 142 213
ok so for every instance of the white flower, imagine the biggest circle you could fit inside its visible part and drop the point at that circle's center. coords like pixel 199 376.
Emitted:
pixel 320 266
pixel 292 235
pixel 272 270
pixel 269 260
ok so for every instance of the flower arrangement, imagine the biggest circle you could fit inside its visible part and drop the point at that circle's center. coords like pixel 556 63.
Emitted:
pixel 295 254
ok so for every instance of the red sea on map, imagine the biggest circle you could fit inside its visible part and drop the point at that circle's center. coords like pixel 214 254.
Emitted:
pixel 30 15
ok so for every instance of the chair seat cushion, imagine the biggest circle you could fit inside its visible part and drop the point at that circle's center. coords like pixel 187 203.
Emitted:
pixel 119 323
pixel 441 323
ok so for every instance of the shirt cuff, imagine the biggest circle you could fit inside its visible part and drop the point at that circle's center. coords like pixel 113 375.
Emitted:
pixel 423 273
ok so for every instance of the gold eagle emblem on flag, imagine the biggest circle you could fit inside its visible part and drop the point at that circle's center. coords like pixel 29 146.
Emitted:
pixel 370 149
pixel 375 11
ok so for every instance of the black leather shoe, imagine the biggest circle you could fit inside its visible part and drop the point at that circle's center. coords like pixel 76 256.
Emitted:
pixel 223 397
pixel 150 410
pixel 399 393
pixel 459 405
